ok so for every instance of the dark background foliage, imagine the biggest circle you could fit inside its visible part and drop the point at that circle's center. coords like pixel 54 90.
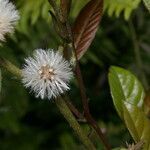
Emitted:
pixel 27 123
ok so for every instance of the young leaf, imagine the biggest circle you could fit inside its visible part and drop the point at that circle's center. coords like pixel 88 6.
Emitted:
pixel 86 25
pixel 147 4
pixel 128 98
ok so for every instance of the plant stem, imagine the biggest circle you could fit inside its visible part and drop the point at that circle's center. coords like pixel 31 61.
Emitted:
pixel 10 67
pixel 74 124
pixel 84 98
pixel 68 39
pixel 138 55
pixel 87 113
pixel 74 110
pixel 56 10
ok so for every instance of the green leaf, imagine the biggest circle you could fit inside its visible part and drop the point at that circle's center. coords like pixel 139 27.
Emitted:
pixel 128 97
pixel 147 4
pixel 118 6
pixel 31 11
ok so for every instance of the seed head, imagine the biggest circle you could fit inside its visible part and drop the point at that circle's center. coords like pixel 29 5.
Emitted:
pixel 8 18
pixel 47 73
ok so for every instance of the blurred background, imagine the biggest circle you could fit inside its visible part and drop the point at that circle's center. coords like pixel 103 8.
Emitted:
pixel 27 123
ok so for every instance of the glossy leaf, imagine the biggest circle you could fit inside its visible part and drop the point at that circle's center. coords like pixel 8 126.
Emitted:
pixel 128 98
pixel 147 4
pixel 86 25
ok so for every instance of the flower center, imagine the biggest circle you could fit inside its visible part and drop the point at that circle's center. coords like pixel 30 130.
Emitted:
pixel 47 73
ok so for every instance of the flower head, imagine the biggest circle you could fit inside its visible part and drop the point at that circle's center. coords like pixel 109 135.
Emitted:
pixel 8 18
pixel 47 73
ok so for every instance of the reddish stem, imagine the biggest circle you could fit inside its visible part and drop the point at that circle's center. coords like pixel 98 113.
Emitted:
pixel 74 110
pixel 85 104
pixel 87 113
pixel 67 29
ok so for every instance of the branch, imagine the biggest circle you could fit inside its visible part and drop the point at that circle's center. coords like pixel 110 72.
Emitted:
pixel 73 123
pixel 75 111
pixel 69 39
pixel 85 104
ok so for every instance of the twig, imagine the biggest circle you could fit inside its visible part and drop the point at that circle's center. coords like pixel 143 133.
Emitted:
pixel 75 111
pixel 84 98
pixel 74 124
pixel 85 104
pixel 56 9
pixel 66 27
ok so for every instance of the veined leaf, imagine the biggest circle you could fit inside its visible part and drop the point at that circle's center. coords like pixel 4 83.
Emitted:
pixel 128 98
pixel 86 25
pixel 118 6
pixel 147 4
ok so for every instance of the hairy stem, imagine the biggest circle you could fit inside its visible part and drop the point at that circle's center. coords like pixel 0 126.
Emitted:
pixel 10 67
pixel 138 58
pixel 68 40
pixel 56 10
pixel 74 124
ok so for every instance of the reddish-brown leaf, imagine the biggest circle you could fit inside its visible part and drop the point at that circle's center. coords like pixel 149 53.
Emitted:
pixel 86 25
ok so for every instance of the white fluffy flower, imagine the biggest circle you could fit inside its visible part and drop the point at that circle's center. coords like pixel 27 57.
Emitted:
pixel 8 18
pixel 47 73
